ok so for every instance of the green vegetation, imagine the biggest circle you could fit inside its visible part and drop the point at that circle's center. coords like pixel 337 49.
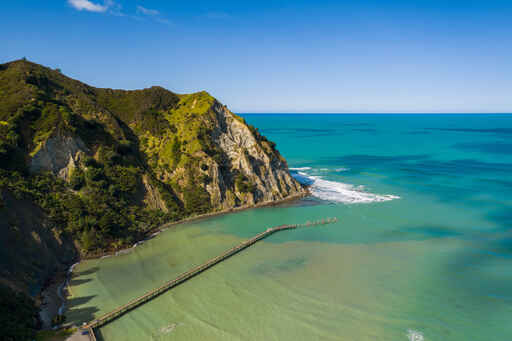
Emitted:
pixel 197 199
pixel 262 139
pixel 98 206
pixel 100 215
pixel 138 151
pixel 243 184
pixel 18 316
pixel 127 135
pixel 100 200
pixel 54 335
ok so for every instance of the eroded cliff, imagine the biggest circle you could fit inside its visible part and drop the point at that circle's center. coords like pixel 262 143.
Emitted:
pixel 100 168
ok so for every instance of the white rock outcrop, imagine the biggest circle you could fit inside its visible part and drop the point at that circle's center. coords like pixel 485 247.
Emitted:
pixel 264 168
pixel 59 155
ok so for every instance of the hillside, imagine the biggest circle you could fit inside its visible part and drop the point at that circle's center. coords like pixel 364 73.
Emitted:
pixel 84 169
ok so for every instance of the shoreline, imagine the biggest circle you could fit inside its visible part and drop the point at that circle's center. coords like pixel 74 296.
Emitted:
pixel 50 301
pixel 54 298
pixel 154 232
pixel 56 294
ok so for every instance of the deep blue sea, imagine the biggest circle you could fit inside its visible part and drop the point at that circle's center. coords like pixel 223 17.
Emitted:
pixel 422 249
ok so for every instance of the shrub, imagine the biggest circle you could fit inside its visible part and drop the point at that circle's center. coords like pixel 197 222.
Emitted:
pixel 94 174
pixel 243 184
pixel 197 199
pixel 90 162
pixel 77 179
pixel 88 240
pixel 176 151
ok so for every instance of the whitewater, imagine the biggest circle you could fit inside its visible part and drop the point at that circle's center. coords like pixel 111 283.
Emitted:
pixel 337 191
pixel 426 266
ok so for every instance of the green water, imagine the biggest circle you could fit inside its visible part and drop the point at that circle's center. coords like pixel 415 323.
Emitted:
pixel 437 261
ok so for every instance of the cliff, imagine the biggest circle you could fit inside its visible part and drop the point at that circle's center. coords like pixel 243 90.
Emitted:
pixel 96 169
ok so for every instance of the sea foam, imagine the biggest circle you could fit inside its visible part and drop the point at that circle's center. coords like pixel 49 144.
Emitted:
pixel 338 191
pixel 300 168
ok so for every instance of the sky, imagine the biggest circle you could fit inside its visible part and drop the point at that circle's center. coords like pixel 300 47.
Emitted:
pixel 279 56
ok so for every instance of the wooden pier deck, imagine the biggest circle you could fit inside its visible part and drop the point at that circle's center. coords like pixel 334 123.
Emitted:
pixel 112 315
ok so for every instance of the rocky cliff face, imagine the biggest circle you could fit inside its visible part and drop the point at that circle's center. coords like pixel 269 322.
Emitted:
pixel 59 155
pixel 84 169
pixel 262 173
pixel 251 159
pixel 107 165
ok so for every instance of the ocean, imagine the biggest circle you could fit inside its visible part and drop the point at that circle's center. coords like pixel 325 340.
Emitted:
pixel 422 249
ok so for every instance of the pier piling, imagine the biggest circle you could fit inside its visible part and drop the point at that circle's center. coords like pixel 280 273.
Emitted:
pixel 112 315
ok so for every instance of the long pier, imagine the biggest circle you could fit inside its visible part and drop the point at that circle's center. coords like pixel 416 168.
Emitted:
pixel 110 316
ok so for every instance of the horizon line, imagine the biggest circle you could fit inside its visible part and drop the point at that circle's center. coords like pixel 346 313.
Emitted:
pixel 373 113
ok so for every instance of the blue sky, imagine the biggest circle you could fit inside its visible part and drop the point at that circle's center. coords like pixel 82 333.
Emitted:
pixel 279 56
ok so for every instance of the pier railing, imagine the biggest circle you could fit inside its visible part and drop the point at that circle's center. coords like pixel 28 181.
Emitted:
pixel 106 318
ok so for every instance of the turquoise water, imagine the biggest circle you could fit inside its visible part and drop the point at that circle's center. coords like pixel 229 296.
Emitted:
pixel 423 244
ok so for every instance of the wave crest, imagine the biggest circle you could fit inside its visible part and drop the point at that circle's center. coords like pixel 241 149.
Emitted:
pixel 338 191
pixel 300 168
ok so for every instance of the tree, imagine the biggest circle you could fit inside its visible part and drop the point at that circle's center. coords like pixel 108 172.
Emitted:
pixel 176 151
pixel 197 199
pixel 77 179
pixel 243 184
pixel 88 239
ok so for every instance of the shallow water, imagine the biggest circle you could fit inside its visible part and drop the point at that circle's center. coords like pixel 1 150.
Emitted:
pixel 436 261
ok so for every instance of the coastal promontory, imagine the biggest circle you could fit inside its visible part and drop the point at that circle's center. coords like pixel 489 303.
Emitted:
pixel 85 170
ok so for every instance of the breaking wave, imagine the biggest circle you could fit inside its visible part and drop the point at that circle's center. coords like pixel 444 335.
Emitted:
pixel 300 168
pixel 338 191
